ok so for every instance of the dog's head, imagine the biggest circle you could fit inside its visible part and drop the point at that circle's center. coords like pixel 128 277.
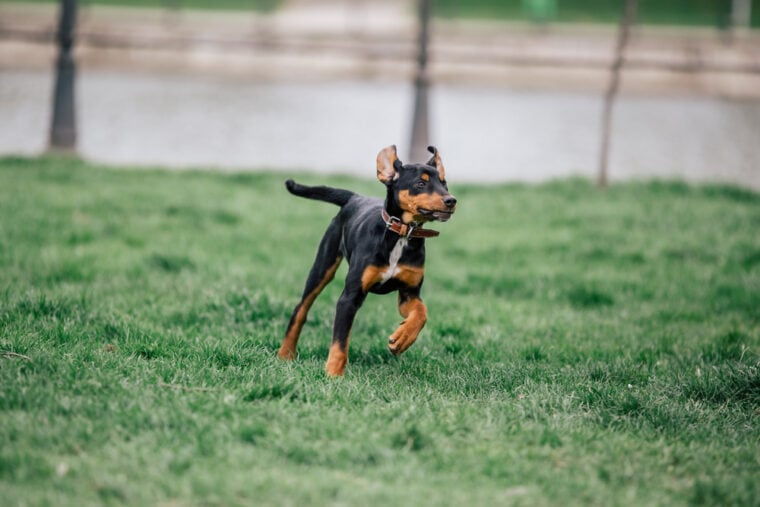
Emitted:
pixel 418 189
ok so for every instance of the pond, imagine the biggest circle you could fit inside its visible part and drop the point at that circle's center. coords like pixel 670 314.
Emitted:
pixel 486 134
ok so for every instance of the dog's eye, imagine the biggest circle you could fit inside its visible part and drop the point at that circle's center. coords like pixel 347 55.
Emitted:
pixel 421 184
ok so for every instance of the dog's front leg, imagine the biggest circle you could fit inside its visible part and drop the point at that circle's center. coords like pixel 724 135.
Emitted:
pixel 348 304
pixel 414 311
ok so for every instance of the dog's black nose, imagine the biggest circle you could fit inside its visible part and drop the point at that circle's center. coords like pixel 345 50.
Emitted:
pixel 450 201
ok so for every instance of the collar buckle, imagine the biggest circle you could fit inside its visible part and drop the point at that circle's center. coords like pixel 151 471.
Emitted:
pixel 407 231
pixel 391 222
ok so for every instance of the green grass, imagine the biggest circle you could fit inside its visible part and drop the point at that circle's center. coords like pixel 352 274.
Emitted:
pixel 672 12
pixel 583 347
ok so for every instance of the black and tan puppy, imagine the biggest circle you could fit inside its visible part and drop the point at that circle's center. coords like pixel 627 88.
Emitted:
pixel 384 244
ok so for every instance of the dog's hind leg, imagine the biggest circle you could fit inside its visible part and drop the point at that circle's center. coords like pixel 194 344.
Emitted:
pixel 322 272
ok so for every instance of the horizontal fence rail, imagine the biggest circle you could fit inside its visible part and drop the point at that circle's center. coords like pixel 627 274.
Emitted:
pixel 384 48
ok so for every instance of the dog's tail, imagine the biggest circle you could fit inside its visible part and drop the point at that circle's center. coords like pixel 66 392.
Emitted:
pixel 320 193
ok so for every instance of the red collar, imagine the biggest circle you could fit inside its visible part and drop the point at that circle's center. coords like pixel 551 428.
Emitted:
pixel 406 230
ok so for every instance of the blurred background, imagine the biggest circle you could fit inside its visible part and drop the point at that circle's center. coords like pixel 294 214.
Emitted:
pixel 510 90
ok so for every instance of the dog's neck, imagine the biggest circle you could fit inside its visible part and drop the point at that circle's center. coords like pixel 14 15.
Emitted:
pixel 392 206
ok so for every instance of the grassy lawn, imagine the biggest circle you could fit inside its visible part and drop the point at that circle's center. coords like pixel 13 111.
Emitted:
pixel 672 12
pixel 583 348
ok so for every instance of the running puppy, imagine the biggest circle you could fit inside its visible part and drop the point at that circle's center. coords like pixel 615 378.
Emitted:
pixel 384 244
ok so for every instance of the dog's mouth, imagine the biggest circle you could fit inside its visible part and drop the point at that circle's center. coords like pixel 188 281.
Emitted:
pixel 440 215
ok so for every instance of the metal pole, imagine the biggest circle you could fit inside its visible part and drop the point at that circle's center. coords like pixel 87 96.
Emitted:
pixel 741 13
pixel 63 131
pixel 419 141
pixel 629 14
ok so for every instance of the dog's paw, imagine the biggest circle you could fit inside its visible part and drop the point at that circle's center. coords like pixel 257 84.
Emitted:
pixel 401 340
pixel 286 354
pixel 336 361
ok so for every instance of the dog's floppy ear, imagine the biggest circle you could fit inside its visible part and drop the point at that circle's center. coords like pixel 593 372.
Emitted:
pixel 388 165
pixel 436 162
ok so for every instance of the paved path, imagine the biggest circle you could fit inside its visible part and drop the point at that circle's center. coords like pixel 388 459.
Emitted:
pixel 329 39
pixel 323 88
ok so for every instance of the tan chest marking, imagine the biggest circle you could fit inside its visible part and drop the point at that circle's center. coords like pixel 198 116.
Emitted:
pixel 409 275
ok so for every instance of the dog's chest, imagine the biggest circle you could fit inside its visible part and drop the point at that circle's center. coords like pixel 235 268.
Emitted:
pixel 393 266
pixel 394 271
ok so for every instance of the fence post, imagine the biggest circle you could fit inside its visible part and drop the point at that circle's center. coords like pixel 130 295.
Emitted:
pixel 419 141
pixel 741 13
pixel 741 16
pixel 63 131
pixel 629 14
